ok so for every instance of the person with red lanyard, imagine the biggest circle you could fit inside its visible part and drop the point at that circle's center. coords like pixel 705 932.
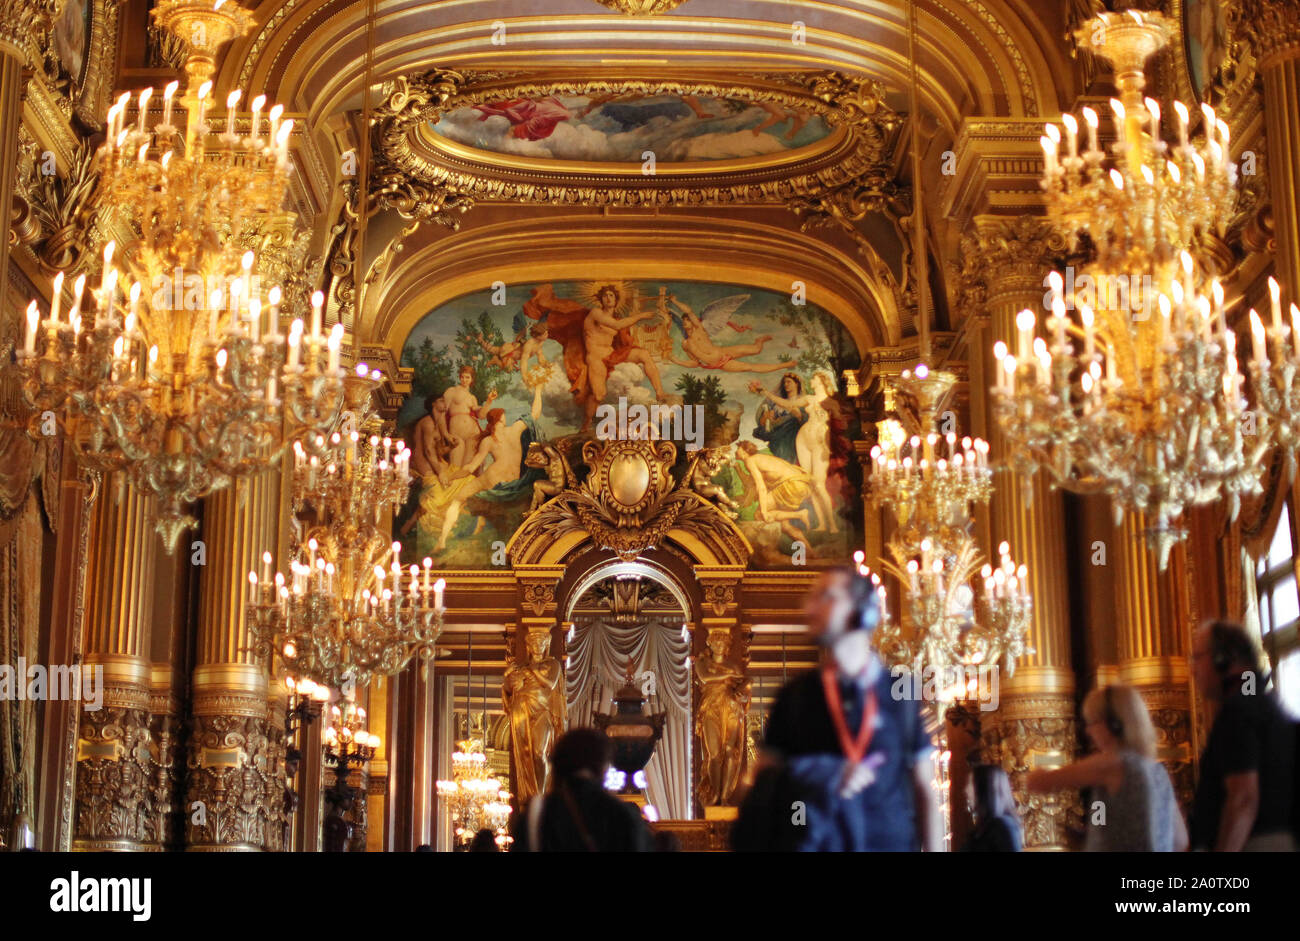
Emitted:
pixel 851 760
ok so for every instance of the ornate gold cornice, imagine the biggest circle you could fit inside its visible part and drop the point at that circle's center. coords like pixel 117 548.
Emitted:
pixel 1004 255
pixel 24 25
pixel 1271 27
pixel 641 7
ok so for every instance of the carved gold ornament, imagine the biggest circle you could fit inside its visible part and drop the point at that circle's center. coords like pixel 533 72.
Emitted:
pixel 841 180
pixel 642 7
pixel 627 504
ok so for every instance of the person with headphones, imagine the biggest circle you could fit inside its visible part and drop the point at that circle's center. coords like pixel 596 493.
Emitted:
pixel 1131 806
pixel 1244 798
pixel 846 764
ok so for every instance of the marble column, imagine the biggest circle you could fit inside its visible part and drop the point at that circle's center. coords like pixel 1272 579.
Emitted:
pixel 1005 263
pixel 232 764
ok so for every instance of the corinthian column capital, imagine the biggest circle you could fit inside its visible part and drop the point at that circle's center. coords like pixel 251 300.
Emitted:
pixel 1002 255
pixel 22 20
pixel 1270 27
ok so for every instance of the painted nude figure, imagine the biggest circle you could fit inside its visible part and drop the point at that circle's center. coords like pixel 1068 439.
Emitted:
pixel 599 330
pixel 503 444
pixel 705 352
pixel 782 489
pixel 459 424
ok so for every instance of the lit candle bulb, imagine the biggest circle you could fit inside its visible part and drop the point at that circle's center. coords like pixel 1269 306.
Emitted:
pixel 1180 110
pixel 56 297
pixel 144 108
pixel 231 101
pixel 438 587
pixel 1295 328
pixel 1275 301
pixel 273 326
pixel 258 104
pixel 295 343
pixel 1071 134
pixel 1257 338
pixel 169 94
pixel 78 287
pixel 1153 109
pixel 1025 323
pixel 33 321
pixel 204 90
pixel 317 302
pixel 335 345
pixel 274 114
pixel 1090 119
pixel 1050 147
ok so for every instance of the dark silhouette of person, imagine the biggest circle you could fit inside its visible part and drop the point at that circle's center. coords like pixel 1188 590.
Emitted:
pixel 578 814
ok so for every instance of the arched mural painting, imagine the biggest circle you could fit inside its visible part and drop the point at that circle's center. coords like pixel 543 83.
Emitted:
pixel 743 378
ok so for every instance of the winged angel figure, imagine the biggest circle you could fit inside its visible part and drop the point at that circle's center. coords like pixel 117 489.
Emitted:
pixel 705 352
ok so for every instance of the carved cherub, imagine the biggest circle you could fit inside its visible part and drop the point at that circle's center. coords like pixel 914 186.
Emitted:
pixel 559 475
pixel 700 479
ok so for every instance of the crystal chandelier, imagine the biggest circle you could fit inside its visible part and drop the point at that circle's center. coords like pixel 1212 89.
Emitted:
pixel 931 482
pixel 174 367
pixel 1142 398
pixel 475 799
pixel 1274 368
pixel 1150 197
pixel 346 738
pixel 348 610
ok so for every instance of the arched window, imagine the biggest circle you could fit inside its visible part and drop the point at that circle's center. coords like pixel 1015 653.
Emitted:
pixel 1279 610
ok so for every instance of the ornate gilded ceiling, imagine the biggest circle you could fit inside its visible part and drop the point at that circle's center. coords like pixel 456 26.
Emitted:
pixel 777 136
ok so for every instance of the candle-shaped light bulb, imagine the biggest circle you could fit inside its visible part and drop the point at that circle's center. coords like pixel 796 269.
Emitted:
pixel 169 95
pixel 33 321
pixel 1153 109
pixel 1180 110
pixel 1257 337
pixel 1071 133
pixel 335 345
pixel 1090 119
pixel 1275 302
pixel 144 108
pixel 231 101
pixel 1025 323
pixel 317 302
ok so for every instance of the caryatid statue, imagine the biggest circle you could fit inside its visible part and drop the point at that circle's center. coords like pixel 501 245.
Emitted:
pixel 533 693
pixel 720 721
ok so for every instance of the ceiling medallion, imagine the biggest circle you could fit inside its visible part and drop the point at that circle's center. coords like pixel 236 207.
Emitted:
pixel 642 7
pixel 841 176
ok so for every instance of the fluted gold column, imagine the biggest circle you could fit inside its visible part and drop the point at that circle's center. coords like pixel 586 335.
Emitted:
pixel 1272 27
pixel 1151 641
pixel 1034 724
pixel 113 769
pixel 231 762
pixel 14 20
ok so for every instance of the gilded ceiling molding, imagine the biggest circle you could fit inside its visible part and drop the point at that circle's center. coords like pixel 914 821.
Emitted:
pixel 992 54
pixel 642 7
pixel 25 25
pixel 1271 27
pixel 725 248
pixel 839 183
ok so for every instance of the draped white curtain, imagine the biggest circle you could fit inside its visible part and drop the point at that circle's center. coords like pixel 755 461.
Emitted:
pixel 598 658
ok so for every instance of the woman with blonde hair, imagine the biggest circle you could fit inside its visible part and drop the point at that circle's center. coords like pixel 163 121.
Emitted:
pixel 1132 806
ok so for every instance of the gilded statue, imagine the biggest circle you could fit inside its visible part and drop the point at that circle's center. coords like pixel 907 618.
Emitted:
pixel 533 694
pixel 720 721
